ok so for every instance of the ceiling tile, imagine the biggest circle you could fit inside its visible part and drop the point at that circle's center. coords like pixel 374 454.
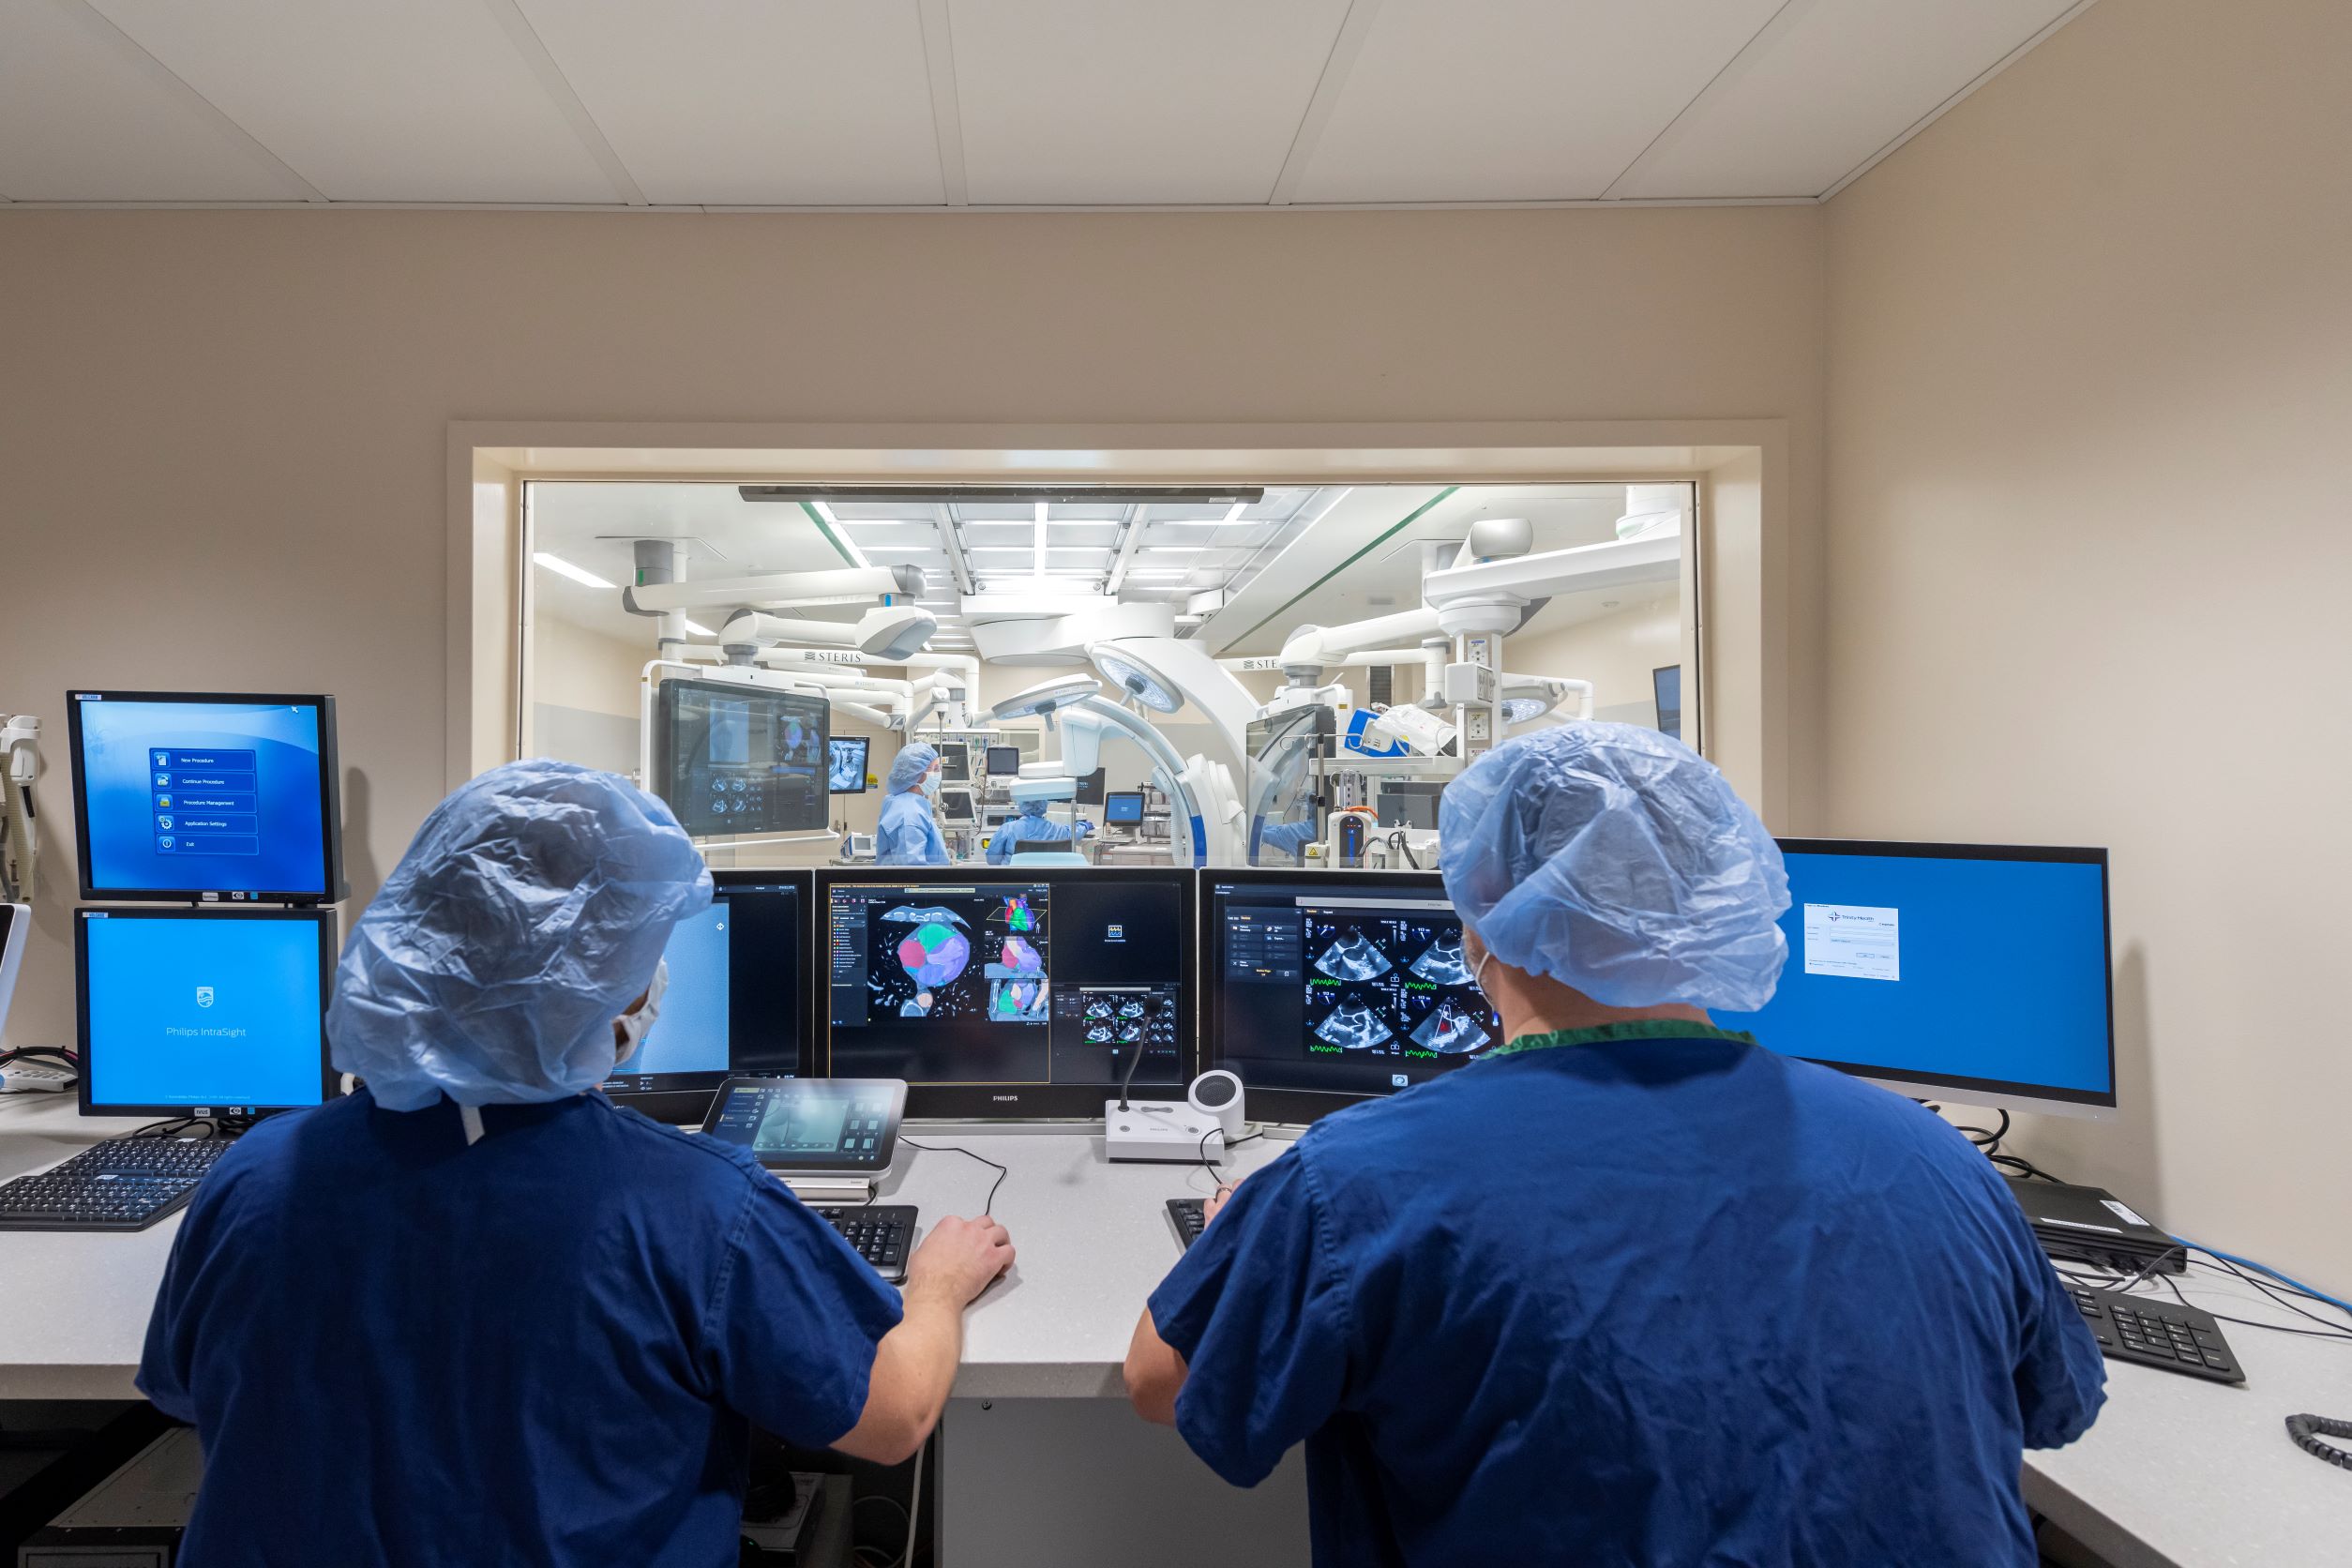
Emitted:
pixel 755 102
pixel 426 100
pixel 1078 102
pixel 85 119
pixel 1840 81
pixel 1516 100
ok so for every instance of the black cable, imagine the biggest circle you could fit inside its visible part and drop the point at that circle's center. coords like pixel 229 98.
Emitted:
pixel 45 1053
pixel 2235 1272
pixel 2306 1431
pixel 1202 1153
pixel 987 1209
pixel 1988 1138
pixel 2023 1167
pixel 2252 1323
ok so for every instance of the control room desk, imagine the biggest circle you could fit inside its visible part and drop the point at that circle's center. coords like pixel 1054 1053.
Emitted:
pixel 1041 1462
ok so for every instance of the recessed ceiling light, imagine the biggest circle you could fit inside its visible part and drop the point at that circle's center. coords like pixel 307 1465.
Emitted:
pixel 562 567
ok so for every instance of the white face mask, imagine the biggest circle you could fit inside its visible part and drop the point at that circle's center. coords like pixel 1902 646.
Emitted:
pixel 637 1025
pixel 931 784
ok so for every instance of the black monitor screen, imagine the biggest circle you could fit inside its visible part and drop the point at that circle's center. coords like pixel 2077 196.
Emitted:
pixel 1666 683
pixel 1004 761
pixel 191 796
pixel 1123 805
pixel 193 1012
pixel 1011 994
pixel 740 758
pixel 845 765
pixel 955 764
pixel 1337 988
pixel 736 1001
pixel 1090 789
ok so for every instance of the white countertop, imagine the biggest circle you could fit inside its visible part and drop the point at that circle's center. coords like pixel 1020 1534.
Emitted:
pixel 2179 1472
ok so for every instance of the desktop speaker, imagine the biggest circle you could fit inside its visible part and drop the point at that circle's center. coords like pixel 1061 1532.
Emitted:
pixel 1218 1093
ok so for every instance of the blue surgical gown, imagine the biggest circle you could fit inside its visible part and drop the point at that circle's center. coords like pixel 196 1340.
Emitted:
pixel 546 1347
pixel 1634 1299
pixel 1033 830
pixel 908 834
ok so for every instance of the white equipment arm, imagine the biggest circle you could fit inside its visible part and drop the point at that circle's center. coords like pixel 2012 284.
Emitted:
pixel 893 630
pixel 20 830
pixel 1320 647
pixel 844 585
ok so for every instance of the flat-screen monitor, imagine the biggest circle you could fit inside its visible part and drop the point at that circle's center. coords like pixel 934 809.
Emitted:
pixel 1123 805
pixel 730 757
pixel 845 765
pixel 1009 993
pixel 738 998
pixel 203 1013
pixel 1004 762
pixel 1971 972
pixel 1666 686
pixel 955 764
pixel 205 797
pixel 955 805
pixel 1335 986
pixel 1089 789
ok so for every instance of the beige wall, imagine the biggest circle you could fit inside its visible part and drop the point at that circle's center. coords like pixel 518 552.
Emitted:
pixel 224 434
pixel 1616 653
pixel 2090 377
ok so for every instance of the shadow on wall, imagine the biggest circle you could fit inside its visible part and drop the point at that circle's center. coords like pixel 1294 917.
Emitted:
pixel 361 874
pixel 2121 1155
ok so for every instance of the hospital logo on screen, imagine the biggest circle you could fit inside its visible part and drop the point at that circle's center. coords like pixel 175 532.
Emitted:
pixel 203 996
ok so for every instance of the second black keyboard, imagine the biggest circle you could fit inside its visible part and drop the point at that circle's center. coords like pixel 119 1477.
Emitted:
pixel 1189 1216
pixel 881 1233
pixel 125 1184
pixel 2162 1333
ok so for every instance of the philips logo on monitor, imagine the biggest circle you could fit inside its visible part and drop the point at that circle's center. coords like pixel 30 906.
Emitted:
pixel 203 996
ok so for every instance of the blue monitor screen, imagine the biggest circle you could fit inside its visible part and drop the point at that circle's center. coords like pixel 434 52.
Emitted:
pixel 1123 805
pixel 187 797
pixel 734 1002
pixel 690 1036
pixel 1959 969
pixel 201 1010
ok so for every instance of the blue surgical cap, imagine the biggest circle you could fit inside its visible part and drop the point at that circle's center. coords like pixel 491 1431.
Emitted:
pixel 527 914
pixel 908 768
pixel 1032 808
pixel 1618 861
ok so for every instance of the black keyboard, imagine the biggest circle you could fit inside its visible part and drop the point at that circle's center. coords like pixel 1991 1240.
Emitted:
pixel 125 1184
pixel 2159 1334
pixel 881 1233
pixel 1188 1216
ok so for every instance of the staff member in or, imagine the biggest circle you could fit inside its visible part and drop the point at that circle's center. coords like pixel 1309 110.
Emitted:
pixel 1031 827
pixel 1631 1289
pixel 907 832
pixel 477 1313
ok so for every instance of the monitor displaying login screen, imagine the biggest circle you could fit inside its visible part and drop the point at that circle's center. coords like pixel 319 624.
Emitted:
pixel 1334 987
pixel 195 796
pixel 216 1010
pixel 1010 995
pixel 1947 968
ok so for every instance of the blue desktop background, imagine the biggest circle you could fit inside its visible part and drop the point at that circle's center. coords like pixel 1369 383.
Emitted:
pixel 119 789
pixel 2004 972
pixel 145 975
pixel 690 1036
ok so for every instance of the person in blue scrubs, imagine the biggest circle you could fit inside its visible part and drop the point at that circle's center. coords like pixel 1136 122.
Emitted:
pixel 474 1313
pixel 1031 827
pixel 907 832
pixel 1630 1289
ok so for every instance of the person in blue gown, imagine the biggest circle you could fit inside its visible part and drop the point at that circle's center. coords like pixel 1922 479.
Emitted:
pixel 474 1313
pixel 1626 1289
pixel 1031 826
pixel 908 832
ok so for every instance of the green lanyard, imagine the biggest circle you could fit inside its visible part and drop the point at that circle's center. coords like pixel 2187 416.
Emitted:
pixel 1639 1029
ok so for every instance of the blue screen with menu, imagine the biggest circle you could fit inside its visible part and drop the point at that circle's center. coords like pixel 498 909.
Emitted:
pixel 180 797
pixel 1941 967
pixel 202 1009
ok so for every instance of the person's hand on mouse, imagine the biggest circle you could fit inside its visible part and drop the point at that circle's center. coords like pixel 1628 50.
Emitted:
pixel 960 1258
pixel 1216 1203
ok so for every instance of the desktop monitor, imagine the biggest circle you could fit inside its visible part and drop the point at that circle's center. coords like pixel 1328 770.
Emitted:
pixel 1968 972
pixel 203 1013
pixel 1123 805
pixel 1090 789
pixel 955 764
pixel 1665 690
pixel 738 998
pixel 1004 762
pixel 845 765
pixel 730 757
pixel 955 807
pixel 205 797
pixel 1009 993
pixel 1330 988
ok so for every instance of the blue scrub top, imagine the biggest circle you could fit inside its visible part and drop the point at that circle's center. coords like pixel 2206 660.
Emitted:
pixel 907 834
pixel 1631 1299
pixel 546 1347
pixel 1025 829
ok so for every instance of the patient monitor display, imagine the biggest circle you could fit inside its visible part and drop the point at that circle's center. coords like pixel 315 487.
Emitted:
pixel 845 765
pixel 202 797
pixel 1339 986
pixel 740 758
pixel 1010 995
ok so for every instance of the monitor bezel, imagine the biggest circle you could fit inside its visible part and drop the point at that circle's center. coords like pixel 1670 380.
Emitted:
pixel 865 745
pixel 1019 1102
pixel 330 802
pixel 1992 1094
pixel 987 763
pixel 1136 795
pixel 664 722
pixel 1286 1106
pixel 686 1105
pixel 85 1085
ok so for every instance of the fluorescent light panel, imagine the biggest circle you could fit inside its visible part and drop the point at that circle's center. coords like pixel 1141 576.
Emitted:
pixel 562 567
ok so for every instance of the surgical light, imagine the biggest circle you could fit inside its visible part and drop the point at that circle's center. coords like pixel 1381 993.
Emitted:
pixel 1044 698
pixel 1519 710
pixel 1144 685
